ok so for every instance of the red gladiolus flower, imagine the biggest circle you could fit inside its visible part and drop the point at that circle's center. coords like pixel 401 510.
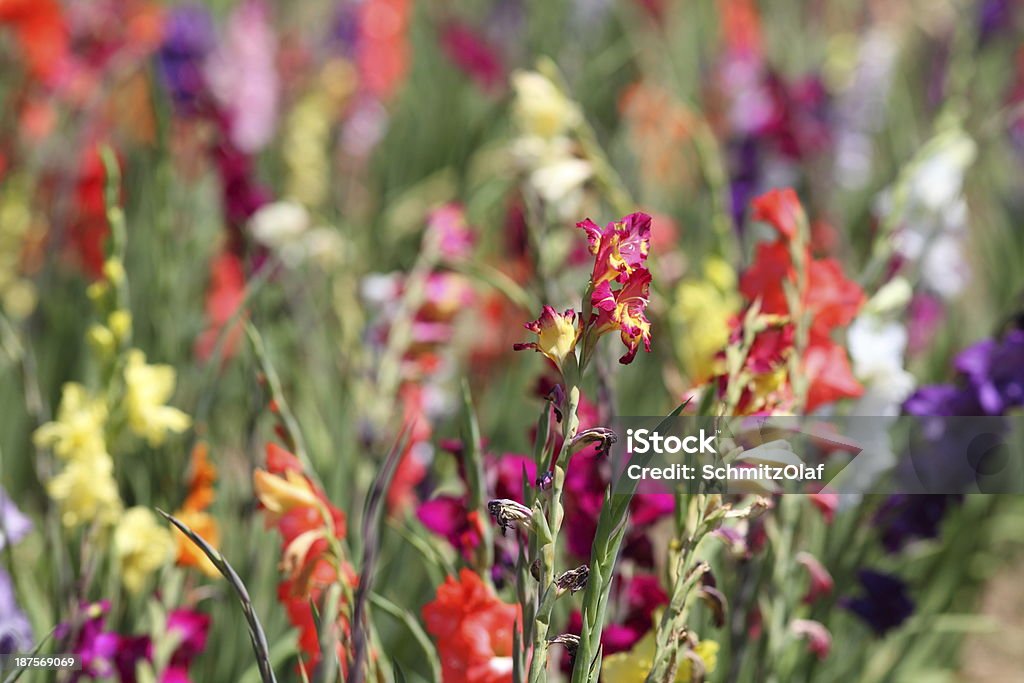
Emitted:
pixel 224 298
pixel 310 529
pixel 830 377
pixel 781 209
pixel 763 279
pixel 832 299
pixel 828 297
pixel 40 31
pixel 473 630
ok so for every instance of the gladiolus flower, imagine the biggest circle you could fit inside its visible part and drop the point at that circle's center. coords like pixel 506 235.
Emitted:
pixel 141 546
pixel 148 387
pixel 633 666
pixel 620 248
pixel 556 335
pixel 781 209
pixel 625 310
pixel 885 604
pixel 306 521
pixel 193 514
pixel 473 630
pixel 85 490
pixel 40 31
pixel 78 429
pixel 448 516
pixel 830 378
pixel 540 108
pixel 282 494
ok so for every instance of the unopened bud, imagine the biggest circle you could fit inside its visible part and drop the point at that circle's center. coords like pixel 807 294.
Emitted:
pixel 101 339
pixel 113 269
pixel 120 324
pixel 509 514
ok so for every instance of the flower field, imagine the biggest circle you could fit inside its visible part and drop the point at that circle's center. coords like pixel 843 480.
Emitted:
pixel 329 332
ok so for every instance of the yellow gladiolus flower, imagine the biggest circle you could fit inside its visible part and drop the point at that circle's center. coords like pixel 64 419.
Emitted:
pixel 142 546
pixel 148 388
pixel 633 666
pixel 703 310
pixel 85 491
pixel 78 430
pixel 556 332
pixel 540 108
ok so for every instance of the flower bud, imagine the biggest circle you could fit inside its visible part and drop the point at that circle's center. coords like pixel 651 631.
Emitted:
pixel 113 270
pixel 819 639
pixel 120 323
pixel 821 581
pixel 97 291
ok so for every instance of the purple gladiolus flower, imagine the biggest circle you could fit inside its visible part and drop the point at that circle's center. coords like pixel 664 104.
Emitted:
pixel 903 518
pixel 15 631
pixel 13 524
pixel 994 16
pixel 188 38
pixel 943 400
pixel 885 603
pixel 995 369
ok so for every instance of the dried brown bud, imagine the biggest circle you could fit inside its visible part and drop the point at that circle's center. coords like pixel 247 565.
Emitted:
pixel 716 601
pixel 602 436
pixel 509 514
pixel 573 580
pixel 567 640
pixel 535 569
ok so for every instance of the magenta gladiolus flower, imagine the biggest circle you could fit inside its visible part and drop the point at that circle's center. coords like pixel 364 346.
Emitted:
pixel 619 248
pixel 471 53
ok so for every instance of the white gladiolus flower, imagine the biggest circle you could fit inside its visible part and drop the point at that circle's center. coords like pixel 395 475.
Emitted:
pixel 279 224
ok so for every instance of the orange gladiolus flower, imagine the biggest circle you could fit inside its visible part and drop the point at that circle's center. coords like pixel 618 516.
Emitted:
pixel 193 513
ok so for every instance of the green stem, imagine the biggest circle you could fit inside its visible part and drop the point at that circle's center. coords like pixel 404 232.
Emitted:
pixel 546 549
